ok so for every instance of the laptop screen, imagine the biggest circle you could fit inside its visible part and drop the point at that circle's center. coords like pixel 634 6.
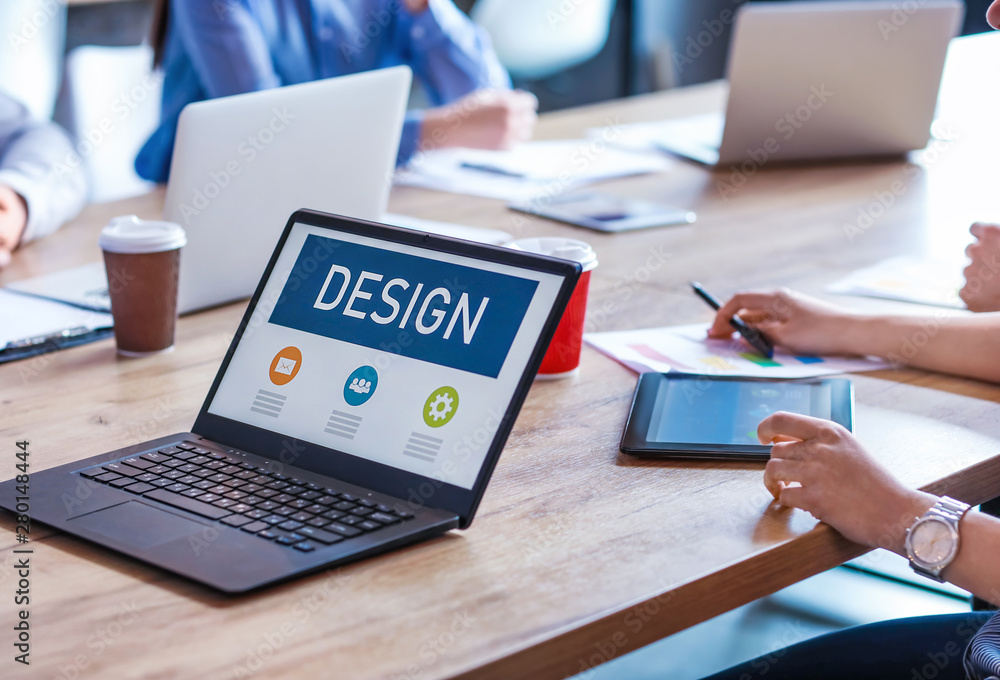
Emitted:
pixel 393 353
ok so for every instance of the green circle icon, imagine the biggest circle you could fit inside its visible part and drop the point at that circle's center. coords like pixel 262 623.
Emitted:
pixel 441 406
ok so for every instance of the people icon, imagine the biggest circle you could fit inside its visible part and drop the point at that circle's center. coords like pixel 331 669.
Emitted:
pixel 361 386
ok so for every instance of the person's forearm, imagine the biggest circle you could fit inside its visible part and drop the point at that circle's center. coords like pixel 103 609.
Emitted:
pixel 963 345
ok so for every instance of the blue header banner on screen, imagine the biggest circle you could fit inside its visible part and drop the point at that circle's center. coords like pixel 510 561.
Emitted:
pixel 439 312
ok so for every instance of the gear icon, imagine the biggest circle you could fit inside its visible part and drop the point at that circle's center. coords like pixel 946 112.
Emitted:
pixel 440 406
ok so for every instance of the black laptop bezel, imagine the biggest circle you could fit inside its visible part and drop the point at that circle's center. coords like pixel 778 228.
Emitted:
pixel 416 490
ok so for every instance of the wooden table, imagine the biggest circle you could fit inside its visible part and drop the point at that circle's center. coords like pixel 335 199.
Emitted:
pixel 578 554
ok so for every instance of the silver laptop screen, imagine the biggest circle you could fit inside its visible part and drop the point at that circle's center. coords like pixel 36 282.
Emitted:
pixel 390 352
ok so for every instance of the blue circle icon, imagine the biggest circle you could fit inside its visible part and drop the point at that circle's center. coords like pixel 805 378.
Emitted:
pixel 360 385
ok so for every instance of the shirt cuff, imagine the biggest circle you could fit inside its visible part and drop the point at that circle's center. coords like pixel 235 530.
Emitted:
pixel 441 21
pixel 410 139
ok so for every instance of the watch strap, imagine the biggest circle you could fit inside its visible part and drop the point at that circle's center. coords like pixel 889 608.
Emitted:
pixel 949 511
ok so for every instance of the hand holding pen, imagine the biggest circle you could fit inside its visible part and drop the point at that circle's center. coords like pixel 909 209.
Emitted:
pixel 754 337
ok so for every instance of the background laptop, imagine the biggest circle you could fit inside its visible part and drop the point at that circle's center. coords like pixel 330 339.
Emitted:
pixel 824 80
pixel 243 164
pixel 362 405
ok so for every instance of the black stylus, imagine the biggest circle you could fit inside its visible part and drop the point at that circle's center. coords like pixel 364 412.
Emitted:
pixel 757 340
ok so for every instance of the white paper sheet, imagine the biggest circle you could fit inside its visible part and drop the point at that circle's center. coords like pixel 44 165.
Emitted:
pixel 687 349
pixel 23 316
pixel 919 280
pixel 528 170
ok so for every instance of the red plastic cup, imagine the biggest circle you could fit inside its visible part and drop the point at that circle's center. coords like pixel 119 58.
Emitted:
pixel 562 359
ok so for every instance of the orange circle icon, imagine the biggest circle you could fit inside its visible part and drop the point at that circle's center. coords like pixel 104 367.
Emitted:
pixel 285 365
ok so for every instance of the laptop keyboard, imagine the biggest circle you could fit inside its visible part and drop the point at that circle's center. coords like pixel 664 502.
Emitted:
pixel 275 507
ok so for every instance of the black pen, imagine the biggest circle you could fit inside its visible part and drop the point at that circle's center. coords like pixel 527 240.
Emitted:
pixel 757 340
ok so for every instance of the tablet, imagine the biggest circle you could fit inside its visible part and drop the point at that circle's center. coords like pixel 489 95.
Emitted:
pixel 604 212
pixel 680 415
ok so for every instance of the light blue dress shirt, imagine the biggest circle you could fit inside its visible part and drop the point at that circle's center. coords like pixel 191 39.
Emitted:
pixel 216 48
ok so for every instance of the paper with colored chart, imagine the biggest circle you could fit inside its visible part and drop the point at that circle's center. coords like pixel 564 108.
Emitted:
pixel 919 280
pixel 687 349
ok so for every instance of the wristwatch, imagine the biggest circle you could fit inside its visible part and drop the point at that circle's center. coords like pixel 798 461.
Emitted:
pixel 932 541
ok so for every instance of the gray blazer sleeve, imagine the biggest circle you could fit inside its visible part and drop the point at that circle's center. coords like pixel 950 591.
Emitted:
pixel 37 160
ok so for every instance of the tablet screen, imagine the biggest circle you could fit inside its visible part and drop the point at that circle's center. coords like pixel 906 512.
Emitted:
pixel 720 412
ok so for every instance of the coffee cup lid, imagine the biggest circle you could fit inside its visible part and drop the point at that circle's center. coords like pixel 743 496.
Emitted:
pixel 129 234
pixel 563 248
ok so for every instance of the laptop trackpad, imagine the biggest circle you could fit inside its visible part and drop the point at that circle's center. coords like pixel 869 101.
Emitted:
pixel 137 524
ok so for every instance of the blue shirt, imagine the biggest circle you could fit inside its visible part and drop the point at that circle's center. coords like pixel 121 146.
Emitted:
pixel 224 47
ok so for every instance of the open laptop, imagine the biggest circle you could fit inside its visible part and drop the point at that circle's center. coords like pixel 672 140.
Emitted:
pixel 362 405
pixel 242 164
pixel 820 80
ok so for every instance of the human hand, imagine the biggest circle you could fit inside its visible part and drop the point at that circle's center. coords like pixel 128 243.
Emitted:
pixel 793 320
pixel 416 6
pixel 818 466
pixel 484 119
pixel 13 220
pixel 981 292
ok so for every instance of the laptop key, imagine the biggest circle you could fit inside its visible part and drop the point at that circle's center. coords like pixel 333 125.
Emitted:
pixel 268 534
pixel 348 497
pixel 92 472
pixel 369 525
pixel 172 463
pixel 320 535
pixel 318 522
pixel 202 451
pixel 139 487
pixel 185 455
pixel 366 503
pixel 225 503
pixel 188 479
pixel 301 516
pixel 344 505
pixel 192 493
pixel 162 482
pixel 273 519
pixel 343 529
pixel 283 498
pixel 158 469
pixel 314 509
pixel 177 488
pixel 203 473
pixel 204 485
pixel 284 540
pixel 267 493
pixel 327 500
pixel 283 510
pixel 361 512
pixel 186 446
pixel 350 520
pixel 236 520
pixel 137 462
pixel 121 482
pixel 304 546
pixel 333 514
pixel 237 507
pixel 290 525
pixel 154 457
pixel 189 504
pixel 257 514
pixel 123 470
pixel 170 450
pixel 254 527
pixel 382 507
pixel 383 517
pixel 146 477
pixel 199 460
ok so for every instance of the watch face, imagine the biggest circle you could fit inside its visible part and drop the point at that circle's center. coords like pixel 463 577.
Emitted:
pixel 933 542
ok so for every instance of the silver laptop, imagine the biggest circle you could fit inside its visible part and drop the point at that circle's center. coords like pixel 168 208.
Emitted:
pixel 242 164
pixel 818 80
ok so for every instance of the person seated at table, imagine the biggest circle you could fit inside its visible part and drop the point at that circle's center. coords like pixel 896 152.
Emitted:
pixel 42 184
pixel 226 47
pixel 981 292
pixel 961 345
pixel 820 467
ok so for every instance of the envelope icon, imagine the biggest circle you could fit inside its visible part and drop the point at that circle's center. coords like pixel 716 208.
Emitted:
pixel 285 365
